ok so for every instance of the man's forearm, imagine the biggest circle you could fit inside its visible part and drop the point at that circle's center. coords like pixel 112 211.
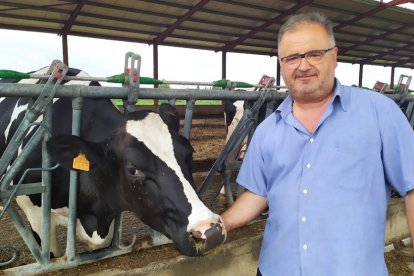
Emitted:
pixel 245 209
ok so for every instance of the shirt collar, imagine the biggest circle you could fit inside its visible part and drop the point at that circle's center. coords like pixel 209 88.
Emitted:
pixel 340 96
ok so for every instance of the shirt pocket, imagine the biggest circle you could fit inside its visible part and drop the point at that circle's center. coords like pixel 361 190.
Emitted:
pixel 351 165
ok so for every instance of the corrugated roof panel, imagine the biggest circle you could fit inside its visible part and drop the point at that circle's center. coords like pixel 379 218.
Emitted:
pixel 202 36
pixel 257 50
pixel 192 42
pixel 237 25
pixel 250 10
pixel 223 19
pixel 206 26
pixel 103 33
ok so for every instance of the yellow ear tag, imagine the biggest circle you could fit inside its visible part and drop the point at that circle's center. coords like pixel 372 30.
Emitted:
pixel 81 163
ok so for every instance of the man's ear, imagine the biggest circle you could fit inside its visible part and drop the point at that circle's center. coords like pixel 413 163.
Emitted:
pixel 74 153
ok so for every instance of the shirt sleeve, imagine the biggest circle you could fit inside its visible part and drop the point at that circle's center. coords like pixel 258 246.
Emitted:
pixel 397 147
pixel 251 174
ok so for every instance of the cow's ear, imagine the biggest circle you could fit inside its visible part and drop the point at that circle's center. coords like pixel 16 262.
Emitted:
pixel 170 116
pixel 72 152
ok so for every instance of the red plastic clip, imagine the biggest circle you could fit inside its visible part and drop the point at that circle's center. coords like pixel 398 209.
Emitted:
pixel 265 80
pixel 58 74
pixel 135 76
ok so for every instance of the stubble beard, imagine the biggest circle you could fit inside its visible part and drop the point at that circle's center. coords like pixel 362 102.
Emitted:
pixel 310 93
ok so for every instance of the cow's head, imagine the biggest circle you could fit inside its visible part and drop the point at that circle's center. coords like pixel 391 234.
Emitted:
pixel 146 168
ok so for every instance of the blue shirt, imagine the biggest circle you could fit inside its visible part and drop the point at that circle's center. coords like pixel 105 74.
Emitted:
pixel 328 191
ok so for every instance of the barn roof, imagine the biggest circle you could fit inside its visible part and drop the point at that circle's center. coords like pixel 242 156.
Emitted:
pixel 367 31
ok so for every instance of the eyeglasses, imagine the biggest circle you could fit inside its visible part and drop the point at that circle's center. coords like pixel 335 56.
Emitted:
pixel 314 57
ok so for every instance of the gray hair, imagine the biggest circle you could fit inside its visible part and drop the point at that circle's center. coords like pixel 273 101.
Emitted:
pixel 312 17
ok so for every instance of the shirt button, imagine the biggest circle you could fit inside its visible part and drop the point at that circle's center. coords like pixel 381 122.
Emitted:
pixel 308 165
pixel 303 219
pixel 311 140
pixel 305 247
pixel 305 191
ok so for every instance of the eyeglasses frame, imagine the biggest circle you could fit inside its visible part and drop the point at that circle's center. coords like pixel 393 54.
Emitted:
pixel 304 55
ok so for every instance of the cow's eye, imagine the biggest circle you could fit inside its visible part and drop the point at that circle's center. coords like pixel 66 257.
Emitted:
pixel 134 171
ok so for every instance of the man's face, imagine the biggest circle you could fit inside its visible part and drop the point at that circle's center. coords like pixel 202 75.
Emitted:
pixel 308 83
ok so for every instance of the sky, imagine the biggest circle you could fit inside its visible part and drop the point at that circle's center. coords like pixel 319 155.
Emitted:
pixel 29 51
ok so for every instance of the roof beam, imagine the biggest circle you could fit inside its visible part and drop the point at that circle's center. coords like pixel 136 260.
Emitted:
pixel 370 12
pixel 404 62
pixel 187 15
pixel 231 45
pixel 376 37
pixel 377 56
pixel 17 6
pixel 68 25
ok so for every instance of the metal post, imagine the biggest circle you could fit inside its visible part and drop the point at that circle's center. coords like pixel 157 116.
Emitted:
pixel 188 118
pixel 155 65
pixel 361 73
pixel 392 77
pixel 278 72
pixel 47 183
pixel 65 49
pixel 223 65
pixel 71 236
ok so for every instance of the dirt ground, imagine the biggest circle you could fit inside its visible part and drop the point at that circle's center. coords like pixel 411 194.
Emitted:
pixel 207 138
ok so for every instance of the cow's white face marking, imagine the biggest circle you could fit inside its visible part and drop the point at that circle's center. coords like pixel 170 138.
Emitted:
pixel 147 131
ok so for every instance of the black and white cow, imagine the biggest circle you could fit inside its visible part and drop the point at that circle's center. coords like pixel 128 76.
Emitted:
pixel 138 162
pixel 233 112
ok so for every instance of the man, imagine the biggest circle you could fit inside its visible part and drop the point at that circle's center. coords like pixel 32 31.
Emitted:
pixel 325 163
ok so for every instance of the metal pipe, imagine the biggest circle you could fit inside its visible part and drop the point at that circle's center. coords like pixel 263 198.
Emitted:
pixel 26 234
pixel 47 184
pixel 188 118
pixel 71 236
pixel 72 91
pixel 18 163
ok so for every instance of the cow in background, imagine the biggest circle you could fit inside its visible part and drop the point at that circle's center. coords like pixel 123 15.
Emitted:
pixel 138 163
pixel 233 112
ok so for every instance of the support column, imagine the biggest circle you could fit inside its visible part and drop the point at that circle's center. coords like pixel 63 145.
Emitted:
pixel 223 65
pixel 361 73
pixel 392 77
pixel 155 66
pixel 277 72
pixel 65 49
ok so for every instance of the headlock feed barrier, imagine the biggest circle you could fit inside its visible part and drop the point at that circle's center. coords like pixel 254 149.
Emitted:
pixel 42 96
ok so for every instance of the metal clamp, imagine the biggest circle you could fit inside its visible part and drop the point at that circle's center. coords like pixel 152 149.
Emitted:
pixel 57 72
pixel 132 80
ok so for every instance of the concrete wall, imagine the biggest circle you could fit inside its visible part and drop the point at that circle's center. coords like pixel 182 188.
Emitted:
pixel 396 227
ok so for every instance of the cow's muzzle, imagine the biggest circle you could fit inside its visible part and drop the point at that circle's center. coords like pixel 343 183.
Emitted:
pixel 208 236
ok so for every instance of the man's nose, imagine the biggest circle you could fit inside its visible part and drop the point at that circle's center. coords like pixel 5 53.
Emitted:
pixel 303 64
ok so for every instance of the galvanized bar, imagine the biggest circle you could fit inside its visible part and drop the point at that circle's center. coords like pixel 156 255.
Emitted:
pixel 47 184
pixel 71 231
pixel 17 164
pixel 26 234
pixel 188 118
pixel 26 189
pixel 62 263
pixel 70 91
